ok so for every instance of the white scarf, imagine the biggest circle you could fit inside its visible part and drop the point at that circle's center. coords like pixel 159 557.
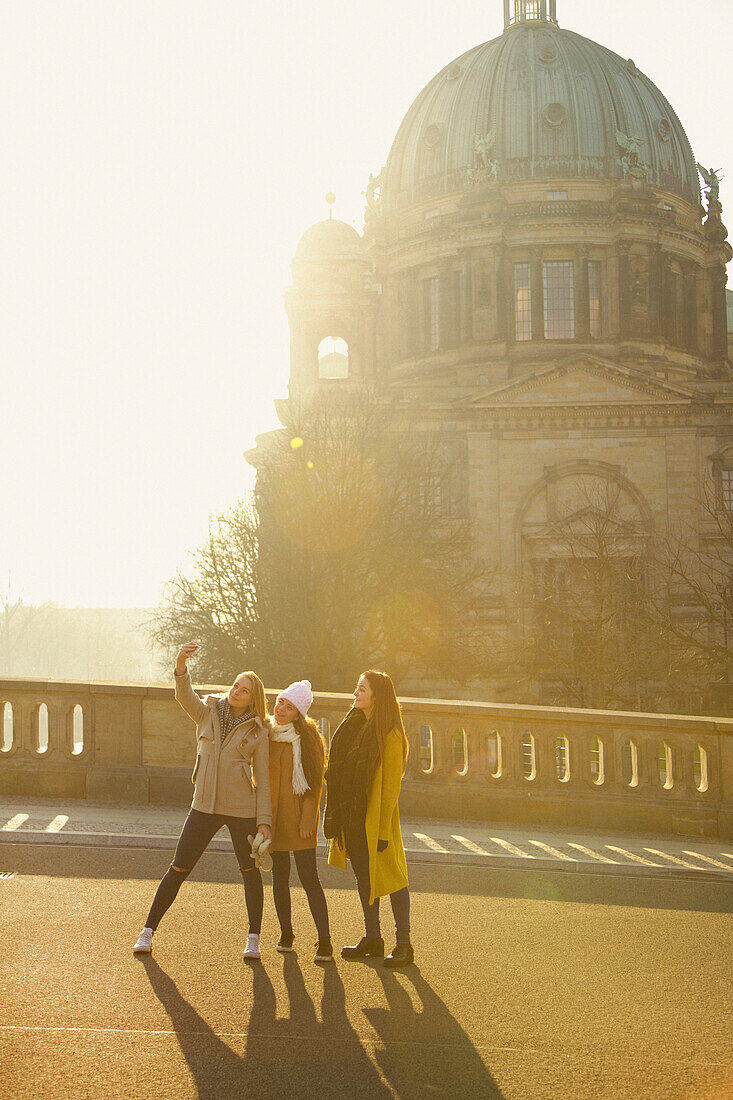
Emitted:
pixel 287 733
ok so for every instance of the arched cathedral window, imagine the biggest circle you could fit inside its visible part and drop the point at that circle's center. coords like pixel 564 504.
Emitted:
pixel 522 302
pixel 333 358
pixel 558 284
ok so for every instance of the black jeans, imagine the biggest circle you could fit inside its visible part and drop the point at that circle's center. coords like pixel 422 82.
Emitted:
pixel 358 850
pixel 307 868
pixel 197 832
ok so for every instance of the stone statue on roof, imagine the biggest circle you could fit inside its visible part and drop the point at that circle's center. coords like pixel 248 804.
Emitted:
pixel 712 182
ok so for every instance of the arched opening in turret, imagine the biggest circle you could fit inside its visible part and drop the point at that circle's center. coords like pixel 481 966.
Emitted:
pixel 523 11
pixel 333 358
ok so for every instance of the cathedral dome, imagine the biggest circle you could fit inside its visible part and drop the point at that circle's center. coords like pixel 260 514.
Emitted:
pixel 330 240
pixel 539 102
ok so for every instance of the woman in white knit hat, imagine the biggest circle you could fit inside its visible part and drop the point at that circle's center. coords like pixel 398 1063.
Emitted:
pixel 297 762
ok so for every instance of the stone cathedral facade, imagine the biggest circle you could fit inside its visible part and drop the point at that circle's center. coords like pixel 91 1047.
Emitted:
pixel 541 286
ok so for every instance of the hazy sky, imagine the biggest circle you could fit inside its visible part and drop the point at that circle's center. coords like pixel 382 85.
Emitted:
pixel 160 162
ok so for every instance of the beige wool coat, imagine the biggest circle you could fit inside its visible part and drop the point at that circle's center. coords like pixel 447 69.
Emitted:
pixel 291 812
pixel 233 780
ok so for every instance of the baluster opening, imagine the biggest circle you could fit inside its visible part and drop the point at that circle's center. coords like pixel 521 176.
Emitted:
pixel 664 762
pixel 529 757
pixel 562 759
pixel 494 764
pixel 427 750
pixel 41 730
pixel 8 732
pixel 77 730
pixel 597 762
pixel 460 751
pixel 701 769
pixel 630 762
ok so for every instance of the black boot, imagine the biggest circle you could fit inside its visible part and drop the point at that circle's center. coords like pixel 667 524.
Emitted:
pixel 364 947
pixel 401 955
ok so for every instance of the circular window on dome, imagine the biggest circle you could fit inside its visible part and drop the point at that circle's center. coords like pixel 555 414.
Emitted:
pixel 548 53
pixel 555 114
pixel 664 129
pixel 454 73
pixel 432 135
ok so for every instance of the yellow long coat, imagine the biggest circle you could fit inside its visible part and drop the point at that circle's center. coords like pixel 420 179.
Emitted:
pixel 387 869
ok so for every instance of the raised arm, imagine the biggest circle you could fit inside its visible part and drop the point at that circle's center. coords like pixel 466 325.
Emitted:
pixel 185 695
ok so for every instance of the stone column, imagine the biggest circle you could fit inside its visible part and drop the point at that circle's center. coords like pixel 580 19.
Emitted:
pixel 624 289
pixel 466 334
pixel 655 293
pixel 538 296
pixel 446 306
pixel 582 296
pixel 690 298
pixel 718 281
pixel 504 297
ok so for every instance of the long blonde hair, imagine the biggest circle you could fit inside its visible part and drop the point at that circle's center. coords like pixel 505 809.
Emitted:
pixel 259 699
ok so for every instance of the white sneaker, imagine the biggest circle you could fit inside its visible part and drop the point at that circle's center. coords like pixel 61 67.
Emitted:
pixel 252 950
pixel 144 945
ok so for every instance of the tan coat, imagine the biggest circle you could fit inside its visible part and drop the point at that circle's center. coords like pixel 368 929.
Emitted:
pixel 223 777
pixel 290 812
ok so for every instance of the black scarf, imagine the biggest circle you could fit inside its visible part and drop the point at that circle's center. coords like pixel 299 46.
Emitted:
pixel 352 762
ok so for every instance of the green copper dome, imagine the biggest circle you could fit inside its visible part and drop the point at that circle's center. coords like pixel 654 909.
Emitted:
pixel 537 103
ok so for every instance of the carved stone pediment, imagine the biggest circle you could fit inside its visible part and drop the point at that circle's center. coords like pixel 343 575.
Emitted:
pixel 579 382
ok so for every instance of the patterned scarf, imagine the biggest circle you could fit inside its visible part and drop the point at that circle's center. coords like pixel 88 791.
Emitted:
pixel 227 720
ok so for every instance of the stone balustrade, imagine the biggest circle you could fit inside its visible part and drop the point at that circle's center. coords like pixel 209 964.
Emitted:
pixel 545 765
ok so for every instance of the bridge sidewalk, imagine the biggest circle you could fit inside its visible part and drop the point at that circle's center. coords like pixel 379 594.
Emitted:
pixel 426 840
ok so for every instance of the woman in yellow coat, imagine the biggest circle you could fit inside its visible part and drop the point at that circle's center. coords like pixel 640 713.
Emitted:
pixel 365 768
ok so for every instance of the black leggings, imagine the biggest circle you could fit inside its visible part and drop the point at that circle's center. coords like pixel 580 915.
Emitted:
pixel 198 830
pixel 305 864
pixel 358 850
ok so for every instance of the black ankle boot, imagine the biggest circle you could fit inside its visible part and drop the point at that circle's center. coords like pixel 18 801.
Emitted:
pixel 401 955
pixel 364 947
pixel 286 942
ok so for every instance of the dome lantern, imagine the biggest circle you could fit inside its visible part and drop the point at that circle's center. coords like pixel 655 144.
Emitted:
pixel 529 11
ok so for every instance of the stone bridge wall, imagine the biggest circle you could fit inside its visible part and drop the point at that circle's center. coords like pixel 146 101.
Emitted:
pixel 545 765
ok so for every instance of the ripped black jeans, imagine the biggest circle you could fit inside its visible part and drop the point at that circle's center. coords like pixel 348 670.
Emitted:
pixel 197 832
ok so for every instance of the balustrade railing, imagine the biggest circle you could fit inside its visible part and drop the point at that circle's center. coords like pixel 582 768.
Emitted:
pixel 669 773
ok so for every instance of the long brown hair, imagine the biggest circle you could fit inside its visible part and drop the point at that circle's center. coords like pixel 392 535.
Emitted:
pixel 259 699
pixel 386 715
pixel 313 750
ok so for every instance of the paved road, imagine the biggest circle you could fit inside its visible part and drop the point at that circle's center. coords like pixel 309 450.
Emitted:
pixel 527 986
pixel 479 843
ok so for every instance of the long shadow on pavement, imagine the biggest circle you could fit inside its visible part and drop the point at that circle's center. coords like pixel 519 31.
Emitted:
pixel 297 1056
pixel 425 1050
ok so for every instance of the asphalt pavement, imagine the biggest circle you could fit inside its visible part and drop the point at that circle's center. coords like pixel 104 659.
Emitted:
pixel 528 984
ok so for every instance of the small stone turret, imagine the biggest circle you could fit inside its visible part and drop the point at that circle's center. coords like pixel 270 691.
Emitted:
pixel 331 307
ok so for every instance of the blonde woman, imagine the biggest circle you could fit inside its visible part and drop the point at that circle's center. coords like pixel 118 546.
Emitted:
pixel 231 787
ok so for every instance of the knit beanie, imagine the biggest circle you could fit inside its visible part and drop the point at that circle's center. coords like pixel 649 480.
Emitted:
pixel 299 694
